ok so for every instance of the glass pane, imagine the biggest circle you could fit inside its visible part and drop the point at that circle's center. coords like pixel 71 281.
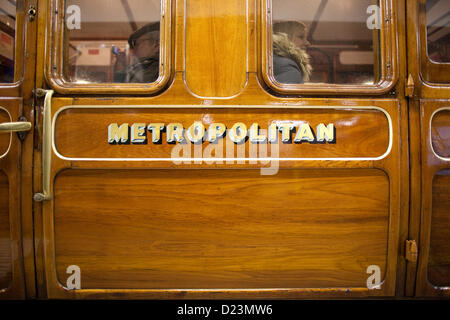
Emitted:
pixel 438 30
pixel 333 42
pixel 110 41
pixel 7 36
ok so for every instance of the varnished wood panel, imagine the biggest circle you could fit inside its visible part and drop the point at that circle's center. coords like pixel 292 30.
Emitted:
pixel 359 133
pixel 221 228
pixel 434 252
pixel 4 137
pixel 11 254
pixel 216 47
pixel 440 133
pixel 5 242
pixel 439 259
pixel 84 198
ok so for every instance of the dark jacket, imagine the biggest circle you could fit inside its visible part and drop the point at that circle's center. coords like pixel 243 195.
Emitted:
pixel 144 71
pixel 285 70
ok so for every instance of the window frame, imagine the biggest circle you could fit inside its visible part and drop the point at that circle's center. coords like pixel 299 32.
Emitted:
pixel 12 88
pixel 388 59
pixel 54 65
pixel 430 71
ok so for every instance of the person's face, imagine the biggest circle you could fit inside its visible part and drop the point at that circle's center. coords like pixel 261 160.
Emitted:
pixel 145 47
pixel 299 39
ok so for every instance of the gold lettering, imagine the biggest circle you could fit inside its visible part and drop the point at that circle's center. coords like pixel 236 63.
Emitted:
pixel 273 133
pixel 196 132
pixel 118 134
pixel 138 133
pixel 175 132
pixel 304 134
pixel 156 128
pixel 255 137
pixel 216 131
pixel 238 132
pixel 285 129
pixel 325 133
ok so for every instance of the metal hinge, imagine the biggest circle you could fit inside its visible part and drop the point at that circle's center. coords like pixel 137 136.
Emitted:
pixel 409 89
pixel 411 250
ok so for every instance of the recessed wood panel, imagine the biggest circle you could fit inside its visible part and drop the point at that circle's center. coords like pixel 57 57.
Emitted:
pixel 359 133
pixel 4 137
pixel 439 259
pixel 216 47
pixel 5 243
pixel 200 228
pixel 440 133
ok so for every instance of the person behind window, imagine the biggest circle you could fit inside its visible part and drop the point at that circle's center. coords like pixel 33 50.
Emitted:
pixel 290 60
pixel 295 30
pixel 144 45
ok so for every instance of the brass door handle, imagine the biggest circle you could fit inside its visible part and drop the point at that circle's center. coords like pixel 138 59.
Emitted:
pixel 20 126
pixel 46 148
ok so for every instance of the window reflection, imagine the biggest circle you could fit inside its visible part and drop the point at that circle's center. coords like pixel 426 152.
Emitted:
pixel 120 45
pixel 332 42
pixel 7 39
pixel 438 30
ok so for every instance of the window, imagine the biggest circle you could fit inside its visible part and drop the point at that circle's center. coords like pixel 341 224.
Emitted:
pixel 438 30
pixel 109 41
pixel 433 20
pixel 316 43
pixel 109 46
pixel 7 40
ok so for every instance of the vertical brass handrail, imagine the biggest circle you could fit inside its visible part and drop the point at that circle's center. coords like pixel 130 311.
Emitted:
pixel 46 146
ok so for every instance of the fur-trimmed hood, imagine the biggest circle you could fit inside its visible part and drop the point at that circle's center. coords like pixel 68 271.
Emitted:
pixel 283 47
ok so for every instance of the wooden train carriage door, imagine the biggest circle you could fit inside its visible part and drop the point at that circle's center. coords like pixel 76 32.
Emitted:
pixel 17 41
pixel 429 92
pixel 317 210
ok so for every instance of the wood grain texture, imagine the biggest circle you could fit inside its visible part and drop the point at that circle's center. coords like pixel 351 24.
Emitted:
pixel 431 92
pixel 414 206
pixel 433 262
pixel 221 228
pixel 83 133
pixel 439 259
pixel 440 133
pixel 406 165
pixel 11 254
pixel 216 47
pixel 128 232
pixel 5 242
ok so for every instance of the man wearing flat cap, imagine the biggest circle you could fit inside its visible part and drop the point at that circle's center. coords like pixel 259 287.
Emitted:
pixel 144 44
